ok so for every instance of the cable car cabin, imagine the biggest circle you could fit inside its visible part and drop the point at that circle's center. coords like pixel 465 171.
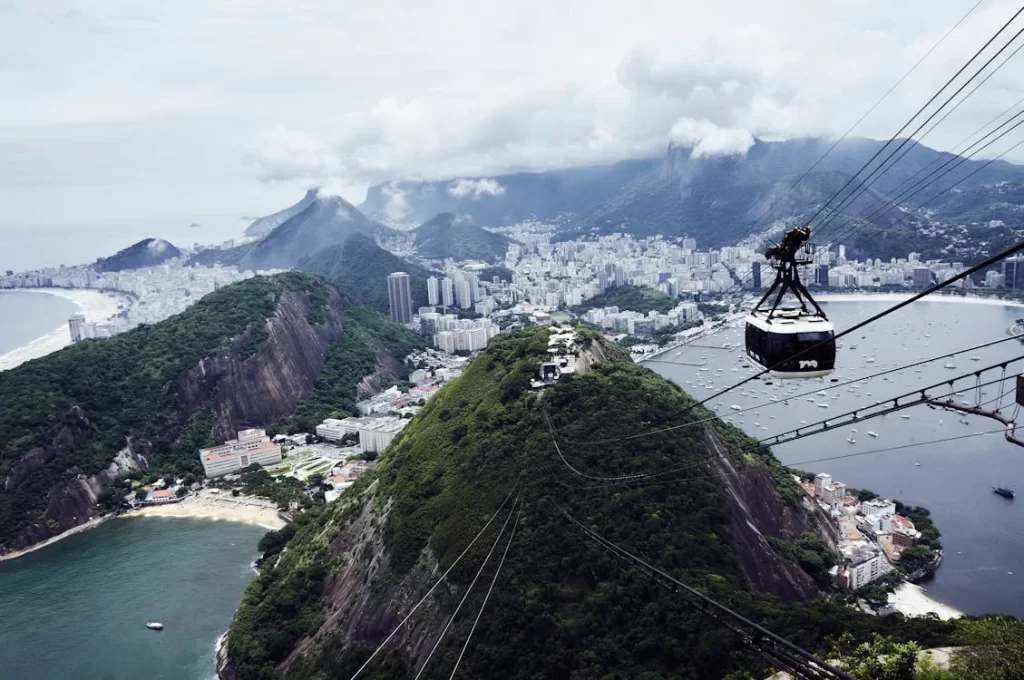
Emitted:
pixel 782 341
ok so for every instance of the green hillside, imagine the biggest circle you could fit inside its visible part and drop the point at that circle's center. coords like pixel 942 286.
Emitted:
pixel 562 606
pixel 635 298
pixel 352 358
pixel 360 268
pixel 449 236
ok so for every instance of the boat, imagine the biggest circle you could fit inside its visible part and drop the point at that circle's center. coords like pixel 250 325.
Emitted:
pixel 975 358
pixel 905 417
pixel 851 440
pixel 917 465
pixel 155 625
pixel 950 366
pixel 735 407
pixel 872 434
pixel 1003 491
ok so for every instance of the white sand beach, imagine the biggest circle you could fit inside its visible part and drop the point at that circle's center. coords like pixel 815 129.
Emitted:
pixel 94 305
pixel 228 508
pixel 911 600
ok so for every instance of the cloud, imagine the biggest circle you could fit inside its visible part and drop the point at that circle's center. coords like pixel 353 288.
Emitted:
pixel 475 188
pixel 264 95
pixel 707 139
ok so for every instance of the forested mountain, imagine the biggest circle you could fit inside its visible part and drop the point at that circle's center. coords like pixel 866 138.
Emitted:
pixel 264 225
pixel 720 199
pixel 504 199
pixel 146 253
pixel 360 268
pixel 451 236
pixel 326 221
pixel 636 298
pixel 562 606
pixel 244 356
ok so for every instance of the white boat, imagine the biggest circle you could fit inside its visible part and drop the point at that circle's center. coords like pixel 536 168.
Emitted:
pixel 822 405
pixel 975 358
pixel 905 417
pixel 917 465
pixel 872 434
pixel 852 440
pixel 735 407
pixel 155 625
pixel 853 429
pixel 951 366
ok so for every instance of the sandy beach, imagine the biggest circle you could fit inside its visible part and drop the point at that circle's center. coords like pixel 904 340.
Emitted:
pixel 228 508
pixel 911 600
pixel 94 305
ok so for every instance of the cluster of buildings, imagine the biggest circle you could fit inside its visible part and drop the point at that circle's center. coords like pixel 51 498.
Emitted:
pixel 340 478
pixel 833 269
pixel 150 294
pixel 157 493
pixel 641 325
pixel 563 350
pixel 870 535
pixel 251 446
pixel 375 432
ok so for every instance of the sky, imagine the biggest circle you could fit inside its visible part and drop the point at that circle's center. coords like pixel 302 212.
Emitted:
pixel 120 111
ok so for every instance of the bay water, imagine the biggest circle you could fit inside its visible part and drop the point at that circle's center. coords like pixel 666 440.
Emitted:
pixel 79 608
pixel 982 533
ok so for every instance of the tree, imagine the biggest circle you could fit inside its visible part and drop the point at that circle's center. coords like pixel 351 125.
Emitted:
pixel 880 658
pixel 141 494
pixel 994 649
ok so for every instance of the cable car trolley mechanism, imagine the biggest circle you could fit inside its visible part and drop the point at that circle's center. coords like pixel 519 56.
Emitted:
pixel 790 342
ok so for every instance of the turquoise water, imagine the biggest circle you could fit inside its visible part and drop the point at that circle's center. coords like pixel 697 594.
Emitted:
pixel 78 608
pixel 27 316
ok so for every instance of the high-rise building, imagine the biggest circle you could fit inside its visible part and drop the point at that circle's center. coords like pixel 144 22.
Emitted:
pixel 821 275
pixel 463 294
pixel 400 297
pixel 433 291
pixel 755 275
pixel 1013 272
pixel 474 287
pixel 447 292
pixel 922 277
pixel 75 325
pixel 689 244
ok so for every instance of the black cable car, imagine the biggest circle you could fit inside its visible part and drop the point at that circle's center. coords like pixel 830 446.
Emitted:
pixel 790 342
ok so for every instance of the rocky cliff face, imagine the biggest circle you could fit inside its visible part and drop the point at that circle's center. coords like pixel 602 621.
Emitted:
pixel 74 502
pixel 256 380
pixel 758 513
pixel 248 391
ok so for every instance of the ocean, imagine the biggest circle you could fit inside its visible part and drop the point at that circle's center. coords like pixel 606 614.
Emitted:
pixel 27 316
pixel 982 533
pixel 78 609
pixel 37 247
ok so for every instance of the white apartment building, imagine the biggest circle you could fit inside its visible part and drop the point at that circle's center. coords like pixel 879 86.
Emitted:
pixel 866 565
pixel 252 446
pixel 374 433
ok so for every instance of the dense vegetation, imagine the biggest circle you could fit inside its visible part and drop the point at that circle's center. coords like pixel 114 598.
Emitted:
pixel 126 386
pixel 148 252
pixel 360 268
pixel 563 606
pixel 503 274
pixel 352 358
pixel 635 298
pixel 449 236
pixel 223 256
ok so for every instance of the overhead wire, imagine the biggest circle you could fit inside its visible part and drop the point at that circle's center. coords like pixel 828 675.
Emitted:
pixel 777 647
pixel 433 587
pixel 851 381
pixel 867 113
pixel 861 324
pixel 919 112
pixel 824 425
pixel 483 605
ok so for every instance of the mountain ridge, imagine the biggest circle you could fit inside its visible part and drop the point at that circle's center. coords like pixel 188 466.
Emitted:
pixel 451 236
pixel 148 252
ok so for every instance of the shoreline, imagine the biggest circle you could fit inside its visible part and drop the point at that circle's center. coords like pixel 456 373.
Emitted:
pixel 911 600
pixel 238 509
pixel 91 524
pixel 95 305
pixel 241 509
pixel 900 297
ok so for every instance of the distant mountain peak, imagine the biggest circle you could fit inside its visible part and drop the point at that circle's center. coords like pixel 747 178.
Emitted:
pixel 148 252
pixel 448 235
pixel 264 225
